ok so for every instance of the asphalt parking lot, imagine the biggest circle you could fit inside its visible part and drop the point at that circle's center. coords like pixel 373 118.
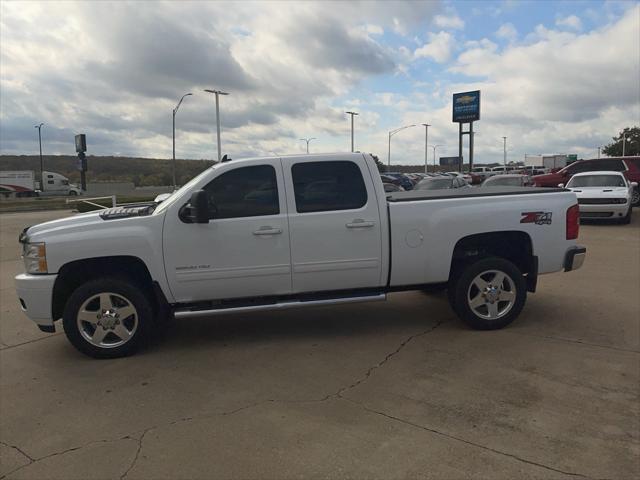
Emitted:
pixel 400 389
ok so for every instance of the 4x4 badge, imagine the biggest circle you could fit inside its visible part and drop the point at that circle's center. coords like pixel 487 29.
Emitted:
pixel 539 218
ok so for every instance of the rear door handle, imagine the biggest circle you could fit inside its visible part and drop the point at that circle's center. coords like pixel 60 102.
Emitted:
pixel 360 223
pixel 268 231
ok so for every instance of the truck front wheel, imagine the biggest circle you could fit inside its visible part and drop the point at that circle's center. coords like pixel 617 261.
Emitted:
pixel 488 294
pixel 107 318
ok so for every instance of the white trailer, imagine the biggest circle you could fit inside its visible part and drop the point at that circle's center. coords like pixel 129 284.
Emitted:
pixel 25 183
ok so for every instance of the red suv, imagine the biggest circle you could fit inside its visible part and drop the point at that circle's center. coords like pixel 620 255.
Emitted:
pixel 629 166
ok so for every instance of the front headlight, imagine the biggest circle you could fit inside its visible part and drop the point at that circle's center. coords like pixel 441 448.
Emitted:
pixel 35 257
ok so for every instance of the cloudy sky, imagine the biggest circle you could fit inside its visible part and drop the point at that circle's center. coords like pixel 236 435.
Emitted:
pixel 555 76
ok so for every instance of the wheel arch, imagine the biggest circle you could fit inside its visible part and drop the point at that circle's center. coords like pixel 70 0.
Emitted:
pixel 75 273
pixel 513 245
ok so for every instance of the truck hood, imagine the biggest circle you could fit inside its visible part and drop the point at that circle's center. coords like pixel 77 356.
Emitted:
pixel 84 221
pixel 54 226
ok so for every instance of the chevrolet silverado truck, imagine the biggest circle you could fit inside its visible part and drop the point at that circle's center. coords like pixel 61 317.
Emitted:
pixel 293 231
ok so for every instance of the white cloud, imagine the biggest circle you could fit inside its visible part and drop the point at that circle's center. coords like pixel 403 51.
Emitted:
pixel 438 47
pixel 507 31
pixel 448 22
pixel 570 21
pixel 130 64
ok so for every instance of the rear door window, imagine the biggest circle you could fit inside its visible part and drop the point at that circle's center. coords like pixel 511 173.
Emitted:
pixel 328 186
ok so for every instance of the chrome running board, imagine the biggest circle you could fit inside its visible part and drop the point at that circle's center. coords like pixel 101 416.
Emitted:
pixel 280 306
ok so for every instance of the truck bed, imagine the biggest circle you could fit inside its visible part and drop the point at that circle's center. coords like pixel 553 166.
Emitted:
pixel 415 195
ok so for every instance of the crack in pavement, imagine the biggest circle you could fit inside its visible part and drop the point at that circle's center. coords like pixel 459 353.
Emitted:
pixel 462 440
pixel 34 460
pixel 571 340
pixel 9 347
pixel 389 356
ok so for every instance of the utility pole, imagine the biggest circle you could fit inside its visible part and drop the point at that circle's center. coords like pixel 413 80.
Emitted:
pixel 426 144
pixel 505 153
pixel 217 93
pixel 624 143
pixel 599 151
pixel 308 140
pixel 173 164
pixel 353 114
pixel 39 127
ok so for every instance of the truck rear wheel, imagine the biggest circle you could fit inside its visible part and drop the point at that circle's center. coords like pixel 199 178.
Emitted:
pixel 107 318
pixel 488 294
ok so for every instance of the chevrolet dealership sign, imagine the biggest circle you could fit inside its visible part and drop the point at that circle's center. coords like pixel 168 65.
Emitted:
pixel 466 107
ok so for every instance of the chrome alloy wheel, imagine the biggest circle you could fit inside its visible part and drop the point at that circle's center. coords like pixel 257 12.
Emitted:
pixel 107 320
pixel 635 196
pixel 491 294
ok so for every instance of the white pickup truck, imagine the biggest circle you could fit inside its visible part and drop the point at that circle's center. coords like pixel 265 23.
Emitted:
pixel 291 231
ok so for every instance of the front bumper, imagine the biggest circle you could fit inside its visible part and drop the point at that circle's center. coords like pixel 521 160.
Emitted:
pixel 603 211
pixel 574 258
pixel 35 293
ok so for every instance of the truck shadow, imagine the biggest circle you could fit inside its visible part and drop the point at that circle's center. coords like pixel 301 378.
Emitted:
pixel 401 312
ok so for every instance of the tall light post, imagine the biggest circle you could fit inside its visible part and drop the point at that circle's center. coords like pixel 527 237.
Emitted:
pixel 599 151
pixel 173 165
pixel 217 93
pixel 426 144
pixel 39 127
pixel 391 134
pixel 505 153
pixel 353 114
pixel 434 155
pixel 308 140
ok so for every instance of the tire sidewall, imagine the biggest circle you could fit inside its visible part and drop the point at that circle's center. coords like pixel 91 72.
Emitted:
pixel 121 286
pixel 636 194
pixel 459 291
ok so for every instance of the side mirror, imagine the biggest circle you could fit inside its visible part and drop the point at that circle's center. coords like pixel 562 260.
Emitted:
pixel 199 207
pixel 634 184
pixel 561 185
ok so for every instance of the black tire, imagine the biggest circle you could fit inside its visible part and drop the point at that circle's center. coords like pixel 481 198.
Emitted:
pixel 120 288
pixel 73 193
pixel 635 197
pixel 626 220
pixel 461 286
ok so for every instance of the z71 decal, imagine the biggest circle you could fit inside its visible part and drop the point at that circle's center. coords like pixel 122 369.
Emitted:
pixel 539 218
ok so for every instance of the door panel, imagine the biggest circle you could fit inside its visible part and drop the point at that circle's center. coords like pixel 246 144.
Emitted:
pixel 244 250
pixel 334 223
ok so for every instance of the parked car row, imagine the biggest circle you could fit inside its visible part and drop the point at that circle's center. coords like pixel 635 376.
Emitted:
pixel 629 167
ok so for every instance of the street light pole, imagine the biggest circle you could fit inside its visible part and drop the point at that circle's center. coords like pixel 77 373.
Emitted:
pixel 434 155
pixel 505 152
pixel 599 151
pixel 426 144
pixel 308 140
pixel 39 127
pixel 391 134
pixel 217 93
pixel 173 164
pixel 353 114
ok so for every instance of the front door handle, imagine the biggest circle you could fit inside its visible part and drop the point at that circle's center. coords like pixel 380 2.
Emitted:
pixel 268 231
pixel 360 223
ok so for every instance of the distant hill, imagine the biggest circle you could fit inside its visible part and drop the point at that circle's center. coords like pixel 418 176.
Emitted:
pixel 141 171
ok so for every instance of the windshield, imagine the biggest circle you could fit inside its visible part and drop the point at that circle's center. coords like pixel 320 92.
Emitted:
pixel 434 184
pixel 597 181
pixel 187 186
pixel 503 182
